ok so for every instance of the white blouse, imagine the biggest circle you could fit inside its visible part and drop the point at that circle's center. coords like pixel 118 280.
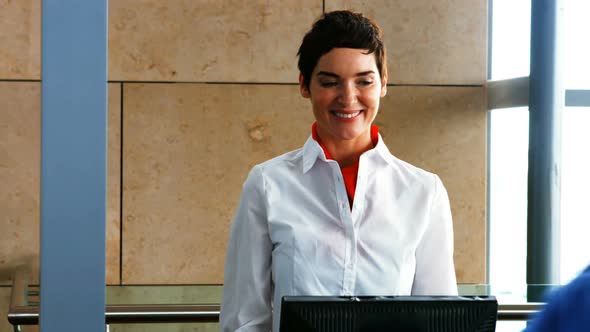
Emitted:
pixel 294 233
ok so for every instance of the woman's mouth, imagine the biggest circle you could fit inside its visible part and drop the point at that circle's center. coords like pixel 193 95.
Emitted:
pixel 346 115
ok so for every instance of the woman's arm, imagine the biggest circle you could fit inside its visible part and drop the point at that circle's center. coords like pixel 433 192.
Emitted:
pixel 435 269
pixel 246 304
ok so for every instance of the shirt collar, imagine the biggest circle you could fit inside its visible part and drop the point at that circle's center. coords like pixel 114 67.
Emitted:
pixel 381 150
pixel 312 151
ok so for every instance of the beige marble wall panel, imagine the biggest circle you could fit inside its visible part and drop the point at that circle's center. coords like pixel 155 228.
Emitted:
pixel 20 157
pixel 4 304
pixel 113 244
pixel 20 135
pixel 20 39
pixel 187 149
pixel 165 295
pixel 443 130
pixel 213 41
pixel 429 41
pixel 173 327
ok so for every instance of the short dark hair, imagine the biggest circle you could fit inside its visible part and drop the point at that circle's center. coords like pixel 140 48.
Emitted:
pixel 340 29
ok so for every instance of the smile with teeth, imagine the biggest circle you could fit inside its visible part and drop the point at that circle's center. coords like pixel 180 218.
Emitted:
pixel 346 115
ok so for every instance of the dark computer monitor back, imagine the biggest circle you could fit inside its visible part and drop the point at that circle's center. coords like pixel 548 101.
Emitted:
pixel 389 313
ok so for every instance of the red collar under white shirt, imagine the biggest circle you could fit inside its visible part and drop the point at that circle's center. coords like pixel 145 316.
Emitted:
pixel 349 173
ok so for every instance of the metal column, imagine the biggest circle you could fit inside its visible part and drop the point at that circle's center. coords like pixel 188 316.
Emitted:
pixel 546 100
pixel 73 165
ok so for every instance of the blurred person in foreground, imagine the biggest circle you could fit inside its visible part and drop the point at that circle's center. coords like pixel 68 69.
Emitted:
pixel 341 216
pixel 567 308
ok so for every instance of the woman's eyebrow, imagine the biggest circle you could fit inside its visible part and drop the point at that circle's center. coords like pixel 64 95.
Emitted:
pixel 364 73
pixel 327 73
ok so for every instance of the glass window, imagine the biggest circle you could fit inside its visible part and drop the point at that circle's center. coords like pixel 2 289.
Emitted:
pixel 511 37
pixel 575 161
pixel 508 153
pixel 509 132
pixel 576 54
pixel 575 182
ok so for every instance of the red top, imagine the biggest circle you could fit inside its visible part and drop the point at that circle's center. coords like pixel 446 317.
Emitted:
pixel 349 173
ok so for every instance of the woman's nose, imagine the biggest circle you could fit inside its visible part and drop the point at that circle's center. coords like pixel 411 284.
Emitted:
pixel 347 95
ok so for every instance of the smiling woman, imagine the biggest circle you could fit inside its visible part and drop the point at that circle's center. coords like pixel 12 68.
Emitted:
pixel 341 216
pixel 344 90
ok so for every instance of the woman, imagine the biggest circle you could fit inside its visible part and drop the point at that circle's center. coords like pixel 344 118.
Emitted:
pixel 340 216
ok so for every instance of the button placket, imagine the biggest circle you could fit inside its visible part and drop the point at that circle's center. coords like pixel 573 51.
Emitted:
pixel 349 232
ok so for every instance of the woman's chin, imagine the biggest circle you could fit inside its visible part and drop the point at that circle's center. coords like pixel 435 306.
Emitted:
pixel 348 135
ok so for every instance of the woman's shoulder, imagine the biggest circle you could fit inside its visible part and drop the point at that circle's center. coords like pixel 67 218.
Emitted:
pixel 402 168
pixel 286 160
pixel 410 172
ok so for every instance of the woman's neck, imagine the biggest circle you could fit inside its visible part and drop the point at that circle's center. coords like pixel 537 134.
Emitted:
pixel 348 152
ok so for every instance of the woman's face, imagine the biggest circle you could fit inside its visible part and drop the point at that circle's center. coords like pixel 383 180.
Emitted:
pixel 344 90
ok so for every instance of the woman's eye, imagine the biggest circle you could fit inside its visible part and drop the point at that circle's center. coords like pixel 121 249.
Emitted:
pixel 365 82
pixel 328 84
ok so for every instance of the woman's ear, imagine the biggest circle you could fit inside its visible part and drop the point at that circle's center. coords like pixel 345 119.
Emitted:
pixel 302 88
pixel 384 86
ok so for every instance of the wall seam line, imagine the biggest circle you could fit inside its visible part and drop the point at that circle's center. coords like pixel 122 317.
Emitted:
pixel 121 187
